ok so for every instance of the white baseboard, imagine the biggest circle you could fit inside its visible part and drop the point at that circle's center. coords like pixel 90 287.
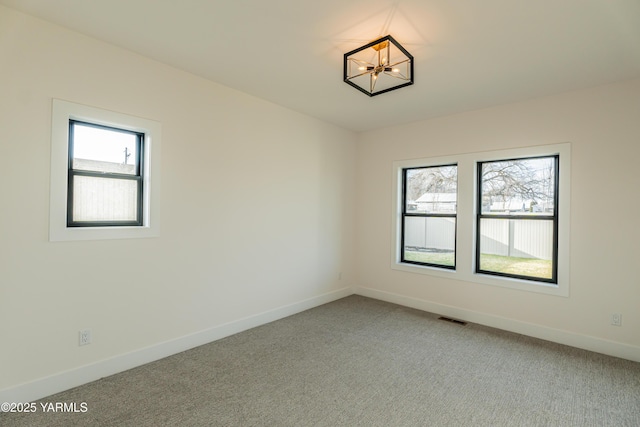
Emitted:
pixel 56 383
pixel 586 342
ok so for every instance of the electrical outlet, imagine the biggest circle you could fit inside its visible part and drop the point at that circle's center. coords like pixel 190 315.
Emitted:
pixel 85 336
pixel 616 319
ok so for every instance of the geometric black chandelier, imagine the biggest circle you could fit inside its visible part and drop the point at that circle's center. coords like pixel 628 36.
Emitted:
pixel 378 67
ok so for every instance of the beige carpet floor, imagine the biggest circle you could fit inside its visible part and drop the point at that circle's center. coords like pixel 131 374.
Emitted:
pixel 362 362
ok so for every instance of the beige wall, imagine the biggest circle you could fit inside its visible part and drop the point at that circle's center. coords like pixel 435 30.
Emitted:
pixel 603 126
pixel 256 204
pixel 259 209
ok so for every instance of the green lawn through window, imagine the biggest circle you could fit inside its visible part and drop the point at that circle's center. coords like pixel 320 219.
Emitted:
pixel 438 258
pixel 533 267
pixel 500 264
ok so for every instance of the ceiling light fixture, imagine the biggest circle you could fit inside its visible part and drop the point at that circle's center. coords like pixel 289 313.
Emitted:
pixel 378 67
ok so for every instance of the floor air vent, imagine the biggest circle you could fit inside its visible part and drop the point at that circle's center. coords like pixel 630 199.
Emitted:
pixel 457 322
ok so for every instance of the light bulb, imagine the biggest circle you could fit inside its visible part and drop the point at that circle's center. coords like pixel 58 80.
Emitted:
pixel 361 68
pixel 395 70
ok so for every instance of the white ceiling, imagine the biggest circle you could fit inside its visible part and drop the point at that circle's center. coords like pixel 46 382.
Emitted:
pixel 469 54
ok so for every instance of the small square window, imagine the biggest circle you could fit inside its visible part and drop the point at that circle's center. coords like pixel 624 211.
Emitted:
pixel 105 174
pixel 105 181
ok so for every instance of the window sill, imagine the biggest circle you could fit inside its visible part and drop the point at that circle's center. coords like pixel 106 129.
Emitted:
pixel 60 234
pixel 561 289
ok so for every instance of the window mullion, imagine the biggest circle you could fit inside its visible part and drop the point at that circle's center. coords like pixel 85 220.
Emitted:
pixel 433 215
pixel 523 217
pixel 108 175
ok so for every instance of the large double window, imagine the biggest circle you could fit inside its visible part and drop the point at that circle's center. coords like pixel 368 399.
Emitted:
pixel 498 218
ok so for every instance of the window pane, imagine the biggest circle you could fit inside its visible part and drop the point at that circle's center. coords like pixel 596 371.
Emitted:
pixel 520 187
pixel 104 199
pixel 431 190
pixel 104 150
pixel 519 247
pixel 430 240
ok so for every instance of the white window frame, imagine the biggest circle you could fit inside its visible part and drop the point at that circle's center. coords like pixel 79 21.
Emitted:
pixel 62 112
pixel 466 219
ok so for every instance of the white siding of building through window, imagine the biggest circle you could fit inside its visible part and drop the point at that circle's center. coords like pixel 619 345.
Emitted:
pixel 506 237
pixel 430 233
pixel 104 199
pixel 517 238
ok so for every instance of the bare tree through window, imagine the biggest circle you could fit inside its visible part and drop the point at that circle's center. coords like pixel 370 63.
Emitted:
pixel 517 218
pixel 429 215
